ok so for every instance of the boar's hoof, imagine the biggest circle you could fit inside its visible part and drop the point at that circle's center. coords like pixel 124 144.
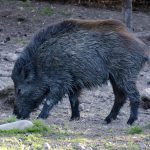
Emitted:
pixel 74 118
pixel 131 120
pixel 43 116
pixel 107 120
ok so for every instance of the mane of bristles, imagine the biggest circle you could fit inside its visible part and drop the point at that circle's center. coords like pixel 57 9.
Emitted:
pixel 99 25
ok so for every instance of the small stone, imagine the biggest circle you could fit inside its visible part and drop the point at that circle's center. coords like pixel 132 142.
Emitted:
pixel 122 113
pixel 47 146
pixel 146 92
pixel 7 39
pixel 10 57
pixel 81 107
pixel 21 8
pixel 20 124
pixel 148 83
pixel 2 43
pixel 80 146
pixel 142 146
pixel 19 50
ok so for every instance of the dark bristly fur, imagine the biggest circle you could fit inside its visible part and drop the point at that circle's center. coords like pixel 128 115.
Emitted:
pixel 73 54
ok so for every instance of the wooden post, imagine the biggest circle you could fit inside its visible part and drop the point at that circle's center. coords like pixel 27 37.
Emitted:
pixel 127 13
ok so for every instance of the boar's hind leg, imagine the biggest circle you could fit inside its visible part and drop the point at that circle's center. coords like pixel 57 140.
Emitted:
pixel 134 98
pixel 120 98
pixel 51 100
pixel 73 97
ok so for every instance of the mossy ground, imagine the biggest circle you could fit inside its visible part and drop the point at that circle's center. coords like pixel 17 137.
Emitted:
pixel 65 138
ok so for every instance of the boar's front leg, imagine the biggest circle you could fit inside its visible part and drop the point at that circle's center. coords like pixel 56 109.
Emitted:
pixel 51 100
pixel 73 97
pixel 16 111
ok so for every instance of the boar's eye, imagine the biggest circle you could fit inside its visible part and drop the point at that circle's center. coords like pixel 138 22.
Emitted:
pixel 18 91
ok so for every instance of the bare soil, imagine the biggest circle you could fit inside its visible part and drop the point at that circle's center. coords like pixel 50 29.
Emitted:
pixel 19 21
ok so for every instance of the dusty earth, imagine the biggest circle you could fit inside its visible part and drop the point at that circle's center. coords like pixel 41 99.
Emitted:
pixel 18 22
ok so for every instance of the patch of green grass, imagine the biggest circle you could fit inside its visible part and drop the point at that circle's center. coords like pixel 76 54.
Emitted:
pixel 35 139
pixel 20 41
pixel 38 127
pixel 47 11
pixel 11 119
pixel 23 142
pixel 109 145
pixel 8 120
pixel 110 130
pixel 133 146
pixel 135 130
pixel 80 140
pixel 27 3
pixel 43 129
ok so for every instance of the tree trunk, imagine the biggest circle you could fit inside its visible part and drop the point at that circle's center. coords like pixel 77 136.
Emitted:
pixel 127 13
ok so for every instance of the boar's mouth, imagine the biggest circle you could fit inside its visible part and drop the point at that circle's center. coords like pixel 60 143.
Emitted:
pixel 24 112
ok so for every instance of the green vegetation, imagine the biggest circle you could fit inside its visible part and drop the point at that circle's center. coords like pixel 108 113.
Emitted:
pixel 133 146
pixel 148 126
pixel 38 127
pixel 23 142
pixel 65 13
pixel 27 3
pixel 47 11
pixel 135 130
pixel 8 120
pixel 110 130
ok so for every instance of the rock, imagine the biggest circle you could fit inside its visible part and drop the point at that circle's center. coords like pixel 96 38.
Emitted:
pixel 21 125
pixel 10 57
pixel 47 146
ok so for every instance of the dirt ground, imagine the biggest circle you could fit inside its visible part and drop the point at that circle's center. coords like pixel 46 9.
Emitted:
pixel 20 20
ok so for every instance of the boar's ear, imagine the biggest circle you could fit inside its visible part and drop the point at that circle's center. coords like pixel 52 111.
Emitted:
pixel 27 72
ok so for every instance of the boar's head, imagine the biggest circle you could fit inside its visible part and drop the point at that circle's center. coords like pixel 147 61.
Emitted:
pixel 30 88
